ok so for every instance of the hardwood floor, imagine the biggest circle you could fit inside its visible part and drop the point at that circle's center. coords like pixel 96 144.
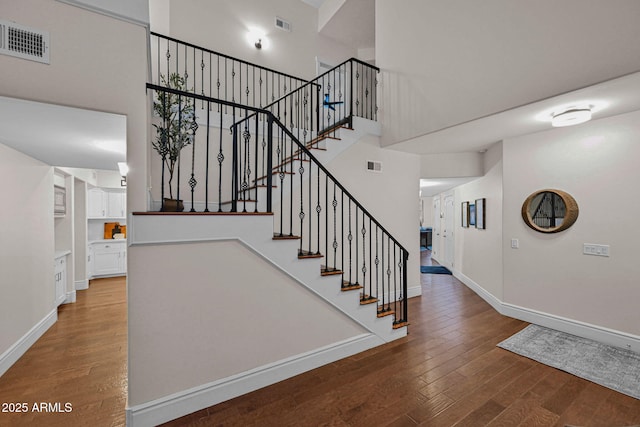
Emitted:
pixel 80 360
pixel 447 372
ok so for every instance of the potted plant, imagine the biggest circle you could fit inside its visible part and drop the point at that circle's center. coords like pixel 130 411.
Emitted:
pixel 176 130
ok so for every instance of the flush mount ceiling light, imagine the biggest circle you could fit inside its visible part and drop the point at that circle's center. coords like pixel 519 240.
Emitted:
pixel 570 117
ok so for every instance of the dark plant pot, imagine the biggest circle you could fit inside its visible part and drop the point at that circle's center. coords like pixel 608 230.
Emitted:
pixel 172 205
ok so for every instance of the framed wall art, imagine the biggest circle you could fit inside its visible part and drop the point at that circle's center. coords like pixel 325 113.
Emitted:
pixel 465 214
pixel 472 214
pixel 481 205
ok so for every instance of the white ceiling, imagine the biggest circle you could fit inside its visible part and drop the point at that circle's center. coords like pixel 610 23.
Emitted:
pixel 461 75
pixel 63 136
pixel 353 25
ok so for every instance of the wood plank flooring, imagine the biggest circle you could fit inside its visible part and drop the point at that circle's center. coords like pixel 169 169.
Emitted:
pixel 447 372
pixel 80 360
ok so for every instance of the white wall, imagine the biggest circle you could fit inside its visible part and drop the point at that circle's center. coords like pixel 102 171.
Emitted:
pixel 597 164
pixel 225 318
pixel 223 25
pixel 87 70
pixel 26 247
pixel 451 165
pixel 478 253
pixel 426 211
pixel 390 196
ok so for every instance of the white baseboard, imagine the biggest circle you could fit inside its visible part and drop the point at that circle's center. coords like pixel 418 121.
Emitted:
pixel 71 298
pixel 20 347
pixel 414 291
pixel 191 400
pixel 559 323
pixel 81 285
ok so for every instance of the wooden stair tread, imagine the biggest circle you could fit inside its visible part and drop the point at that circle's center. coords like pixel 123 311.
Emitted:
pixel 385 313
pixel 228 202
pixel 398 325
pixel 348 286
pixel 308 255
pixel 366 299
pixel 327 271
pixel 285 237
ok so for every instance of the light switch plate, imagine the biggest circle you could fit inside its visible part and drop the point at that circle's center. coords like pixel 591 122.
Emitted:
pixel 595 249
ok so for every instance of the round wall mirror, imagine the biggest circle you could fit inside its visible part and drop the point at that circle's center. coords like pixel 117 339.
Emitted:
pixel 550 211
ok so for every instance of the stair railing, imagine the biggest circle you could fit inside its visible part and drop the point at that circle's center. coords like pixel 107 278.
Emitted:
pixel 216 75
pixel 262 167
pixel 318 108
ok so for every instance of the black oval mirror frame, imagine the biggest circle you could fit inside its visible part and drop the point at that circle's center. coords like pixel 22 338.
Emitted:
pixel 550 211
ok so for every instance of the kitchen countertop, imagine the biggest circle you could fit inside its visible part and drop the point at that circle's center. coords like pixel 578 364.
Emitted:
pixel 108 241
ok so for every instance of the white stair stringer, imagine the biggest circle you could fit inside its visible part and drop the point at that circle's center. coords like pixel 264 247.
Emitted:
pixel 256 232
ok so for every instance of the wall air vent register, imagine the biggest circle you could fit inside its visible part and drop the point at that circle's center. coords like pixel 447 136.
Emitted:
pixel 24 42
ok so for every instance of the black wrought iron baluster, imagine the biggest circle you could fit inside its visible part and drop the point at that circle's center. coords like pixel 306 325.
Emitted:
pixel 234 166
pixel 270 163
pixel 206 168
pixel 220 158
pixel 301 214
pixel 358 91
pixel 281 175
pixel 163 95
pixel 340 100
pixel 405 307
pixel 178 156
pixel 293 156
pixel 364 258
pixel 305 102
pixel 255 162
pixel 202 75
pixel 389 272
pixel 342 231
pixel 357 247
pixel 382 271
pixel 375 96
pixel 264 146
pixel 192 181
pixel 377 263
pixel 350 240
pixel 395 283
pixel 350 88
pixel 246 170
pixel 370 259
pixel 186 74
pixel 334 203
pixel 310 194
pixel 318 210
pixel 233 81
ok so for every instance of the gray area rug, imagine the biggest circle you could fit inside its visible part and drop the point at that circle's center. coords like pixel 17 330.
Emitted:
pixel 612 367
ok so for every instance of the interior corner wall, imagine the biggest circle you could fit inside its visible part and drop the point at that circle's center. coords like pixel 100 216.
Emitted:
pixel 596 163
pixel 391 196
pixel 89 70
pixel 223 26
pixel 478 252
pixel 26 247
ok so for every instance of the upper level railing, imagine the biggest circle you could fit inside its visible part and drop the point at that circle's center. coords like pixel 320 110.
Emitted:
pixel 216 75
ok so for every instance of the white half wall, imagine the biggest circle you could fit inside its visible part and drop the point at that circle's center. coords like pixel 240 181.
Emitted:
pixel 27 294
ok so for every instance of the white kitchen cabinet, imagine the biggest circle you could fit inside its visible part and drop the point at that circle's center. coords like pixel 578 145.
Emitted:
pixel 60 279
pixel 108 259
pixel 106 203
pixel 116 204
pixel 96 203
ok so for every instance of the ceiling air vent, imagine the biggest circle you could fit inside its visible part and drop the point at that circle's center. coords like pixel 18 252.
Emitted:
pixel 282 24
pixel 373 166
pixel 24 42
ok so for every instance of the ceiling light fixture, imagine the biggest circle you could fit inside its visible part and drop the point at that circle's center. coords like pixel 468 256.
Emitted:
pixel 570 117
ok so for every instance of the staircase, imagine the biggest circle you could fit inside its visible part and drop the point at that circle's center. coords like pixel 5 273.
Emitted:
pixel 261 145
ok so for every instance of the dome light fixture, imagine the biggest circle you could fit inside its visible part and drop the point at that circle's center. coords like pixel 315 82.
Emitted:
pixel 570 117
